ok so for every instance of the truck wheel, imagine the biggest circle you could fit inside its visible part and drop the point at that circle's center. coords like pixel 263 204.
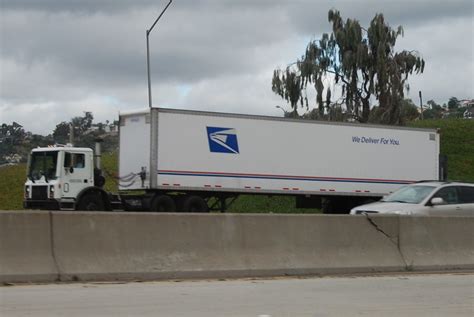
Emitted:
pixel 195 204
pixel 163 203
pixel 91 202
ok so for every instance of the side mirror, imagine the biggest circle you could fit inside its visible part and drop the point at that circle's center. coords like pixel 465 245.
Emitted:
pixel 437 201
pixel 71 170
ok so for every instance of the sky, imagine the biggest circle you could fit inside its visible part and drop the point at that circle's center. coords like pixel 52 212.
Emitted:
pixel 60 58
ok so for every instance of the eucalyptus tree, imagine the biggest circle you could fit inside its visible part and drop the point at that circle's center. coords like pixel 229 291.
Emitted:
pixel 360 62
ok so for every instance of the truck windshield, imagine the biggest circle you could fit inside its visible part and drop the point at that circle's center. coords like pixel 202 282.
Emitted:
pixel 410 194
pixel 43 164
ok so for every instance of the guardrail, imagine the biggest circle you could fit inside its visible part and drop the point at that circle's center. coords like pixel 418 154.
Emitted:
pixel 84 246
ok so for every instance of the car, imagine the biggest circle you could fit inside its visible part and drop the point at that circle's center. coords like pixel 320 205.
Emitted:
pixel 425 198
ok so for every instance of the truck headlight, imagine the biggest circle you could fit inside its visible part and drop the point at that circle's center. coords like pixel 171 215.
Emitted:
pixel 27 192
pixel 51 192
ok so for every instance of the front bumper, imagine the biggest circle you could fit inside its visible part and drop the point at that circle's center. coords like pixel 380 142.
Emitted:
pixel 49 204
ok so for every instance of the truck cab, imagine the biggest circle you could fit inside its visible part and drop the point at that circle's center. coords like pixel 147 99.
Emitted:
pixel 61 177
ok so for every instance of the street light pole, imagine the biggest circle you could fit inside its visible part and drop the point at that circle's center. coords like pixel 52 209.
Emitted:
pixel 153 113
pixel 148 52
pixel 421 104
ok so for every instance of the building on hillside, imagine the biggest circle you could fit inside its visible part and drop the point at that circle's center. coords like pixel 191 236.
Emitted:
pixel 469 105
pixel 104 128
pixel 469 113
pixel 12 158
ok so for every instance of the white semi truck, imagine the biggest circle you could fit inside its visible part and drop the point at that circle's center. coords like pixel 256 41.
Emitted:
pixel 196 161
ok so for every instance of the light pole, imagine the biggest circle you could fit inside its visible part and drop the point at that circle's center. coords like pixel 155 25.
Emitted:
pixel 148 52
pixel 421 104
pixel 153 113
pixel 284 111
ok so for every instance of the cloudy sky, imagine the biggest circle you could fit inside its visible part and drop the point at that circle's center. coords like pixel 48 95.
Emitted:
pixel 59 58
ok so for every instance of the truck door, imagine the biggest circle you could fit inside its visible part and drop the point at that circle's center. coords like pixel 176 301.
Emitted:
pixel 77 173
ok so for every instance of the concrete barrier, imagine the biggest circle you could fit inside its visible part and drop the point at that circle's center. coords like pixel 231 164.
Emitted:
pixel 100 246
pixel 70 246
pixel 437 243
pixel 26 253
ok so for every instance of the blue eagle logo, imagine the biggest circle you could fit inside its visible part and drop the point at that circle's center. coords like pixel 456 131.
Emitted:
pixel 222 140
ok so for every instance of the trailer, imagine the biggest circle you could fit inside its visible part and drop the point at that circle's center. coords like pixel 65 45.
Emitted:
pixel 196 161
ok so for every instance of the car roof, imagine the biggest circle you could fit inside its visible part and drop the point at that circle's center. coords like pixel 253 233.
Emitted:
pixel 442 183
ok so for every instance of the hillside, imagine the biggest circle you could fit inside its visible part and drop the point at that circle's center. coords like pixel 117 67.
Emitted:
pixel 457 142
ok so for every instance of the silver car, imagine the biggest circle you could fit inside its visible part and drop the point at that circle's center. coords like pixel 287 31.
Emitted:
pixel 425 198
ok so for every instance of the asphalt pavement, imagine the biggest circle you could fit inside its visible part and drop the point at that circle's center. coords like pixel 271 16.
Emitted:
pixel 394 295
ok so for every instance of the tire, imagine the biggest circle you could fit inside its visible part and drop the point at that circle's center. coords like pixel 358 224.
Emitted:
pixel 163 203
pixel 91 202
pixel 195 204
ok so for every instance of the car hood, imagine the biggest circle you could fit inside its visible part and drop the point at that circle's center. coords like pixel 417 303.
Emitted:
pixel 385 208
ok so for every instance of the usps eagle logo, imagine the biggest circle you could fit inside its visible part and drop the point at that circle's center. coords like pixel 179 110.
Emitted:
pixel 222 140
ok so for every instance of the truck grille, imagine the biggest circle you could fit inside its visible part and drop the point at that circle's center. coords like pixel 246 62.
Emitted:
pixel 39 192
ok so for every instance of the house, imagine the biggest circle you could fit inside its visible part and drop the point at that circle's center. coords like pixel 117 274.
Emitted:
pixel 469 105
pixel 469 113
pixel 12 158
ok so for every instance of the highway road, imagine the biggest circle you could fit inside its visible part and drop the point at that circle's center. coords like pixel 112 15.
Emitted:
pixel 387 295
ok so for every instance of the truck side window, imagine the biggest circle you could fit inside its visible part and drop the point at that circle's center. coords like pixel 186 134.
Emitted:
pixel 79 161
pixel 74 160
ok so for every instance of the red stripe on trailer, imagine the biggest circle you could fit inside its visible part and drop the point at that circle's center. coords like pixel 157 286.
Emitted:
pixel 165 184
pixel 332 190
pixel 322 190
pixel 297 177
pixel 286 188
pixel 358 191
pixel 366 191
pixel 218 186
pixel 295 188
pixel 248 187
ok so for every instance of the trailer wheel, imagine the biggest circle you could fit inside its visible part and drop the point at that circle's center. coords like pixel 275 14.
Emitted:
pixel 163 203
pixel 195 204
pixel 91 202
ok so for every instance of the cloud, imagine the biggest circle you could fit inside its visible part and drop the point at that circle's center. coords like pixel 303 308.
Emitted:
pixel 63 57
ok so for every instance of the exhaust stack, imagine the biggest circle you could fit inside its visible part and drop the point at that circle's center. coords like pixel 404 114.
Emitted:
pixel 98 153
pixel 71 134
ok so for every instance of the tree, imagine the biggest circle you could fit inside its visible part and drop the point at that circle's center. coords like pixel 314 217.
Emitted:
pixel 434 111
pixel 453 103
pixel 288 85
pixel 362 62
pixel 12 133
pixel 61 133
pixel 82 124
pixel 408 112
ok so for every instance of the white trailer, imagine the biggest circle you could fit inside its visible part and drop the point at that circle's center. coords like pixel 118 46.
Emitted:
pixel 203 157
pixel 218 154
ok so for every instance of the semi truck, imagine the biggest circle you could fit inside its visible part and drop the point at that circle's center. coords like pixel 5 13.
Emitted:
pixel 194 161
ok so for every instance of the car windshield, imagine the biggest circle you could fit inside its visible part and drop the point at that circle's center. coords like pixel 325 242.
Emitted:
pixel 43 164
pixel 410 194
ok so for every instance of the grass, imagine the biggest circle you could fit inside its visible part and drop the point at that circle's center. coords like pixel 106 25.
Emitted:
pixel 265 204
pixel 12 180
pixel 457 142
